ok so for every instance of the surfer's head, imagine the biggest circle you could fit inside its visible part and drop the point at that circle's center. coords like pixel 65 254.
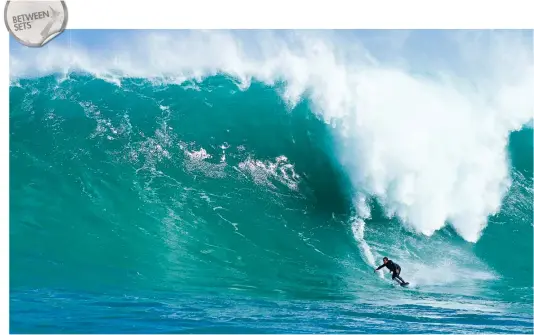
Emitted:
pixel 385 259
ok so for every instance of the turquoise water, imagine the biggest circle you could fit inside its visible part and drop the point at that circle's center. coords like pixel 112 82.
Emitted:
pixel 203 206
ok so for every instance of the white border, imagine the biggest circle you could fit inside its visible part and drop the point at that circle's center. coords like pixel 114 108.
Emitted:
pixel 272 14
pixel 295 14
pixel 4 185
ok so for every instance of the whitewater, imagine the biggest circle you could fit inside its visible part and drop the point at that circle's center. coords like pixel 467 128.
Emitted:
pixel 221 181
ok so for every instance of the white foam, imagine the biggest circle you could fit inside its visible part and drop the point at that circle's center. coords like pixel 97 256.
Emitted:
pixel 431 147
pixel 280 170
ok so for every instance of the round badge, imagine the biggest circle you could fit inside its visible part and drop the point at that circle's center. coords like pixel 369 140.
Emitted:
pixel 35 23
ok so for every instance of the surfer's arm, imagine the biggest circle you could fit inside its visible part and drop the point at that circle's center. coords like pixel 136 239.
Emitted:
pixel 380 267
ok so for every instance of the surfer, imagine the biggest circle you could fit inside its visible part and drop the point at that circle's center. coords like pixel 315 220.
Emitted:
pixel 392 267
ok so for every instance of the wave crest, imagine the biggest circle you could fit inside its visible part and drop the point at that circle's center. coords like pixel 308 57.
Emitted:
pixel 427 138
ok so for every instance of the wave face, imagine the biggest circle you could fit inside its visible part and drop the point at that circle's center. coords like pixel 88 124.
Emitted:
pixel 230 182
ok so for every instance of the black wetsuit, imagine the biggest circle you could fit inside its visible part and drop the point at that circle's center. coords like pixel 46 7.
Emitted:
pixel 393 267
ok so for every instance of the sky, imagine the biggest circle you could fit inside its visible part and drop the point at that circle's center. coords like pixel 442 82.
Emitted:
pixel 420 45
pixel 428 40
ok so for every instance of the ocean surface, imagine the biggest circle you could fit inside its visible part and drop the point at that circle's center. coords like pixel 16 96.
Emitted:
pixel 211 204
